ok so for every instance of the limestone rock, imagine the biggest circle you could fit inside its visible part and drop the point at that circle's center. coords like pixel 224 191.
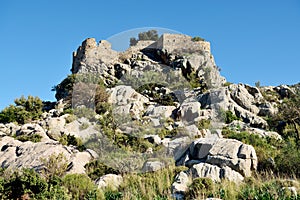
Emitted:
pixel 127 101
pixel 243 98
pixel 55 127
pixel 177 146
pixel 222 99
pixel 33 129
pixel 152 166
pixel 180 185
pixel 190 111
pixel 109 180
pixel 154 139
pixel 16 154
pixel 284 91
pixel 9 129
pixel 205 170
pixel 160 111
pixel 193 131
pixel 223 152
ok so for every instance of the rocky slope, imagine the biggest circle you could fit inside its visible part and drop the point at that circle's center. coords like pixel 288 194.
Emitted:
pixel 168 94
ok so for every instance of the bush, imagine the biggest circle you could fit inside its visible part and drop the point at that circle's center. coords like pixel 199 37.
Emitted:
pixel 26 183
pixel 197 38
pixel 24 110
pixel 72 140
pixel 287 161
pixel 96 169
pixel 54 166
pixel 230 117
pixel 33 138
pixel 79 186
pixel 147 35
pixel 200 187
pixel 203 124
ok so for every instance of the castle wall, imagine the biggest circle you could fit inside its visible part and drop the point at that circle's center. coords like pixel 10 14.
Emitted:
pixel 181 43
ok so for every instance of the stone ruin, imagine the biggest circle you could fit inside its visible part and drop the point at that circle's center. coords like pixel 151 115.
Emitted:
pixel 92 54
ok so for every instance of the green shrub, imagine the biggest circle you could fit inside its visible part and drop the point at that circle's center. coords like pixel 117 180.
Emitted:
pixel 54 166
pixel 162 133
pixel 148 90
pixel 70 118
pixel 33 138
pixel 227 84
pixel 26 183
pixel 24 110
pixel 197 38
pixel 287 161
pixel 200 187
pixel 79 185
pixel 230 117
pixel 72 140
pixel 96 169
pixel 203 124
pixel 113 195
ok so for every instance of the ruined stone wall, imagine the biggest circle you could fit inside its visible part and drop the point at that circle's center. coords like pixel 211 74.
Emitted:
pixel 91 54
pixel 181 43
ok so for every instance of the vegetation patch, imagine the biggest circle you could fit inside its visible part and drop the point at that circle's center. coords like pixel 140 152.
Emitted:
pixel 25 110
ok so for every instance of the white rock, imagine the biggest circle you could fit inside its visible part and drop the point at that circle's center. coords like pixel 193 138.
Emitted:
pixel 109 180
pixel 152 166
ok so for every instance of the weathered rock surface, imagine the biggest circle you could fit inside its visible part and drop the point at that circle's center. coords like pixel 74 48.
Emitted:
pixel 222 152
pixel 109 180
pixel 159 111
pixel 239 126
pixel 205 170
pixel 127 101
pixel 180 185
pixel 152 166
pixel 190 111
pixel 9 129
pixel 33 129
pixel 242 100
pixel 16 154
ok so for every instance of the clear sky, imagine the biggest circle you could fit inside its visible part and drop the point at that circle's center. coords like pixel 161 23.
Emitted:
pixel 251 41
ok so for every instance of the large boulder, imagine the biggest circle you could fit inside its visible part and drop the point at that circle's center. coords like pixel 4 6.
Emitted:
pixel 9 129
pixel 222 152
pixel 152 166
pixel 160 111
pixel 216 173
pixel 127 101
pixel 17 154
pixel 55 127
pixel 190 111
pixel 180 185
pixel 238 100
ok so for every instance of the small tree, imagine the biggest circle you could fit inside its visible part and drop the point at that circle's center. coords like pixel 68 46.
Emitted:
pixel 54 166
pixel 23 111
pixel 257 84
pixel 147 35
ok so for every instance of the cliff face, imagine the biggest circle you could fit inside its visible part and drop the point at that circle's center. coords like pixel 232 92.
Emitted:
pixel 176 51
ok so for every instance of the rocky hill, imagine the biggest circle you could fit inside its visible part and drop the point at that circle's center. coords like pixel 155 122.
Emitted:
pixel 157 105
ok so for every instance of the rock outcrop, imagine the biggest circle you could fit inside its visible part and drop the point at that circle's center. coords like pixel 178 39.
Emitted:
pixel 16 154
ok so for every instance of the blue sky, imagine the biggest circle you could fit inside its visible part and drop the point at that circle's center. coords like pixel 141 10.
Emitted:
pixel 251 40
